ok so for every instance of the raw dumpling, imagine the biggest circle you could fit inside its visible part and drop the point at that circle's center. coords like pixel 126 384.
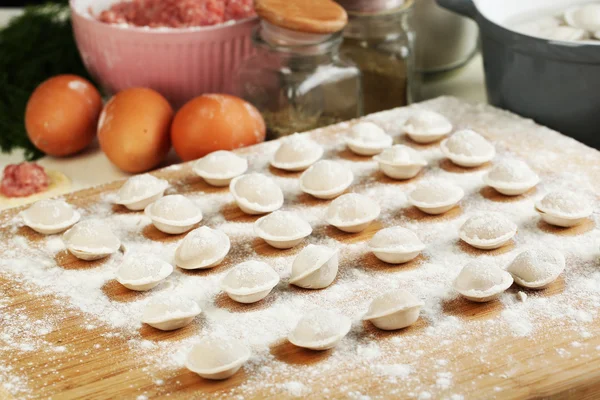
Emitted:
pixel 282 229
pixel 487 231
pixel 400 162
pixel 566 33
pixel 172 312
pixel 315 267
pixel 436 196
pixel 250 281
pixel 256 193
pixel 553 28
pixel 174 214
pixel 220 167
pixel 352 212
pixel 326 179
pixel 320 330
pixel 511 178
pixel 217 358
pixel 482 282
pixel 296 153
pixel 468 148
pixel 91 239
pixel 396 245
pixel 50 216
pixel 395 309
pixel 585 17
pixel 142 272
pixel 426 126
pixel 140 190
pixel 564 209
pixel 367 139
pixel 202 248
pixel 537 268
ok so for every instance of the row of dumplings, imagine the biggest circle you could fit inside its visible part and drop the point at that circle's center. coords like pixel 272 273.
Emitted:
pixel 319 329
pixel 315 266
pixel 323 329
pixel 176 214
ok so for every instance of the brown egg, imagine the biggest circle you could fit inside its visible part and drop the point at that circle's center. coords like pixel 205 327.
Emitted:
pixel 215 122
pixel 134 129
pixel 62 114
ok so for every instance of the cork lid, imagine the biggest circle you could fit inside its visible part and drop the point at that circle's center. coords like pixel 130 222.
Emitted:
pixel 309 16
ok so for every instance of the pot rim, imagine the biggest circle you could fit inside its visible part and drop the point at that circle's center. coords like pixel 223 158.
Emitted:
pixel 577 52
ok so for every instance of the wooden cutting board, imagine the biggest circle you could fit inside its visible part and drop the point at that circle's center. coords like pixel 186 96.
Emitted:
pixel 556 360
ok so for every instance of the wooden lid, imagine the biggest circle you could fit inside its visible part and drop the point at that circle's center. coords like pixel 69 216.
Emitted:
pixel 310 16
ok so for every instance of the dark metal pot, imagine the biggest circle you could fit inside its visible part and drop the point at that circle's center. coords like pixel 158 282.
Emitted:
pixel 553 82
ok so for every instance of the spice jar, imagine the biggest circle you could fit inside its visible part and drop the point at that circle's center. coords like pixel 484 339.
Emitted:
pixel 297 79
pixel 379 38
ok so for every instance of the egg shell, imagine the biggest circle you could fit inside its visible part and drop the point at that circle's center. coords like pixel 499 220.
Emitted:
pixel 62 114
pixel 215 122
pixel 134 129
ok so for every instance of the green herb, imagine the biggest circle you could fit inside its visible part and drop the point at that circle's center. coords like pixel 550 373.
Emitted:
pixel 34 46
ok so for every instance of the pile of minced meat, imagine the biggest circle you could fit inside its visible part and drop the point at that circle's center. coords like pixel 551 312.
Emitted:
pixel 177 13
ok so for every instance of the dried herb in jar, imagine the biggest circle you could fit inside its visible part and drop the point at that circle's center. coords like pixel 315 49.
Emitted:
pixel 380 42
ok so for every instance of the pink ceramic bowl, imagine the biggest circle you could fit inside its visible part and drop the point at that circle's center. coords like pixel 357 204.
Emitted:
pixel 179 63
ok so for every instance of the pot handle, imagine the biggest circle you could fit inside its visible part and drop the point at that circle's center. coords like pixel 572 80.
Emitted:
pixel 466 8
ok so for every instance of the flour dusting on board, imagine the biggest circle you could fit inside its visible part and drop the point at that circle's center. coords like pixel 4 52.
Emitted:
pixel 408 362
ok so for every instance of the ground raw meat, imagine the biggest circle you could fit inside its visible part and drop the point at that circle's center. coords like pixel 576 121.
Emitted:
pixel 23 179
pixel 177 13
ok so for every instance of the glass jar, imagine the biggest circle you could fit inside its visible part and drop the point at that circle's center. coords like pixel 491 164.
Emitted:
pixel 298 81
pixel 381 42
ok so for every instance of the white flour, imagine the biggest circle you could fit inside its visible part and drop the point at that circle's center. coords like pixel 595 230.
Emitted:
pixel 264 326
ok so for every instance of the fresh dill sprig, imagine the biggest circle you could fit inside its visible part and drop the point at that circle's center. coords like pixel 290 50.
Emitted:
pixel 34 46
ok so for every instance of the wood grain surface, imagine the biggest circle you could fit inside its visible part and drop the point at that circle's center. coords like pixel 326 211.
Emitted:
pixel 537 370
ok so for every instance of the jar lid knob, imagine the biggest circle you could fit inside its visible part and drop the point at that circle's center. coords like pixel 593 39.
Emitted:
pixel 308 16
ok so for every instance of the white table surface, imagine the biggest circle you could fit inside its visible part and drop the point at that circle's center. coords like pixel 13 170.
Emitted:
pixel 91 167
